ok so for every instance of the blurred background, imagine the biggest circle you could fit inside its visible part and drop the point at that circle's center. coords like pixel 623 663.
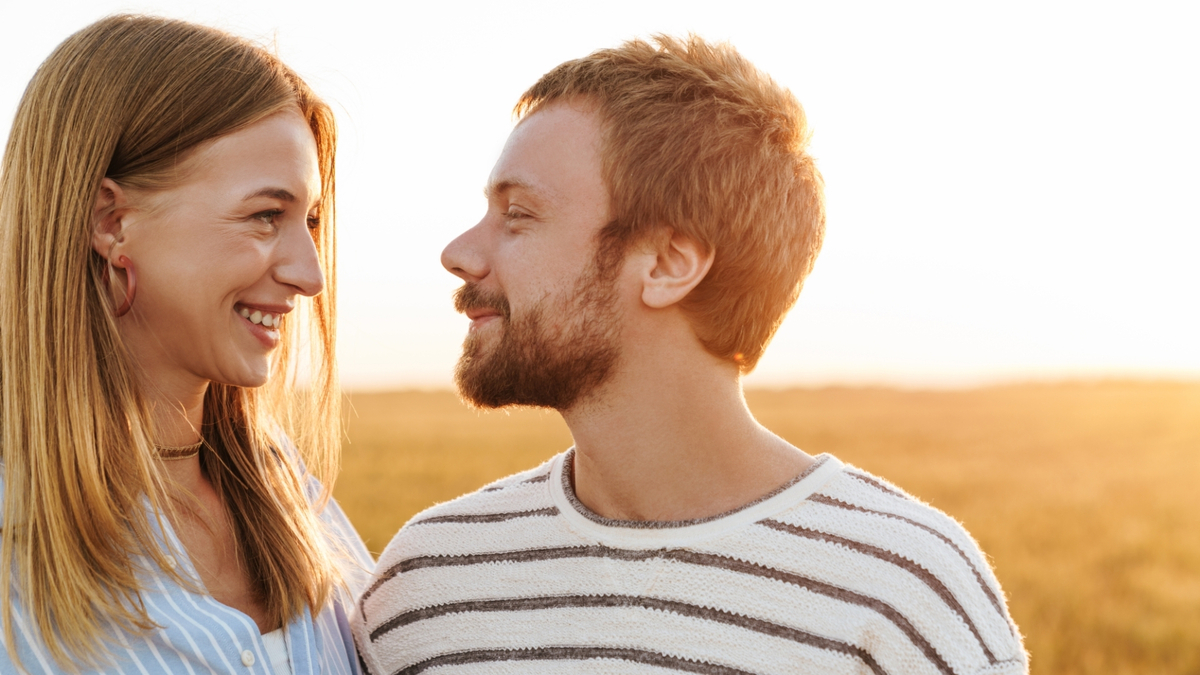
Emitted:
pixel 1003 319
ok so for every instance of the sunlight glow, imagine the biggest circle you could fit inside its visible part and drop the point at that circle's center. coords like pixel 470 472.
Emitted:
pixel 1011 188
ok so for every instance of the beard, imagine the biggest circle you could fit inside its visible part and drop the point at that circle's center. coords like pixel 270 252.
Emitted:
pixel 535 362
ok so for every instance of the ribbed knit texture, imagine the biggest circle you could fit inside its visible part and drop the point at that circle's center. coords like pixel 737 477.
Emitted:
pixel 838 572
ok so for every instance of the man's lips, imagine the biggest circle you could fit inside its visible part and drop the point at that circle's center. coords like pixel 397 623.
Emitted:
pixel 477 313
pixel 480 306
pixel 482 317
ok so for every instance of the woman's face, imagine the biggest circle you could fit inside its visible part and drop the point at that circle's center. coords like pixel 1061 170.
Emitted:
pixel 221 258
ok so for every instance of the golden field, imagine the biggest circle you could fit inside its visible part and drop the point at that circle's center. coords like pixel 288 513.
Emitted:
pixel 1085 496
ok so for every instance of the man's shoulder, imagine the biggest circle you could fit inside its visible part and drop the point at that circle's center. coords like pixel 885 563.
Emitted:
pixel 517 497
pixel 507 495
pixel 875 517
pixel 876 546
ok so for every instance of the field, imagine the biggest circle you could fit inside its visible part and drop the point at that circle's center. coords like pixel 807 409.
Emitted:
pixel 1086 496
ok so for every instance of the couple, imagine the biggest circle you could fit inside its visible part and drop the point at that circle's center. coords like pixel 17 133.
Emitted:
pixel 166 218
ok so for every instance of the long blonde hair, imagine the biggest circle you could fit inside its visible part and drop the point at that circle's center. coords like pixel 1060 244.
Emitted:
pixel 127 98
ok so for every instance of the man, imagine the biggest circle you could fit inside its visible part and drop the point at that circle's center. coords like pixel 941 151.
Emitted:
pixel 649 223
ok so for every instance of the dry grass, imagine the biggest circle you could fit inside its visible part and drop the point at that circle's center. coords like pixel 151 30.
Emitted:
pixel 1084 495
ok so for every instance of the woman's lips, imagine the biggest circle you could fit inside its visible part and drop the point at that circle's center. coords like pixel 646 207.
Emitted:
pixel 260 317
pixel 262 323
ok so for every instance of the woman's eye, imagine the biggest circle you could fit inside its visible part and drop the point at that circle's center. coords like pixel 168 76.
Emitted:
pixel 268 217
pixel 314 222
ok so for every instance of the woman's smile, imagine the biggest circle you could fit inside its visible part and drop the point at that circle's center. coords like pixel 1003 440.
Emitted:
pixel 262 323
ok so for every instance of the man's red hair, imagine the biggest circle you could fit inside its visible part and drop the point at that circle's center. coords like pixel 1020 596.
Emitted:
pixel 699 140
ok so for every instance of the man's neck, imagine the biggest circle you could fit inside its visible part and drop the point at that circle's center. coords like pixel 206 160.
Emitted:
pixel 670 438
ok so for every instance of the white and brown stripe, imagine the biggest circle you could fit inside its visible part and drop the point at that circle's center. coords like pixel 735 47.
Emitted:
pixel 837 572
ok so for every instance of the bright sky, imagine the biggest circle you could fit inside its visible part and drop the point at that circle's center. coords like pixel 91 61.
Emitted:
pixel 1012 187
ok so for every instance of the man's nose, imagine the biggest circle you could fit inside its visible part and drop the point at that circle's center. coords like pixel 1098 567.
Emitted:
pixel 464 257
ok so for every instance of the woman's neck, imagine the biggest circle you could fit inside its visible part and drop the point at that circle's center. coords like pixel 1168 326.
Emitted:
pixel 176 408
pixel 177 411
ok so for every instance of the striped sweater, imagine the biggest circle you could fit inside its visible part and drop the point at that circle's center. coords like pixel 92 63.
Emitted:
pixel 836 572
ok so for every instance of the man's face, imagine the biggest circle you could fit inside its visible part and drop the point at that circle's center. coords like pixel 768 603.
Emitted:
pixel 544 324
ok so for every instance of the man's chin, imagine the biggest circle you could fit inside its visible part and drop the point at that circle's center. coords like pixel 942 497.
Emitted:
pixel 474 347
pixel 476 388
pixel 475 374
pixel 484 381
pixel 494 381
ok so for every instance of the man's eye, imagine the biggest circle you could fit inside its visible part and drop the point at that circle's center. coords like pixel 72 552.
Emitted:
pixel 513 215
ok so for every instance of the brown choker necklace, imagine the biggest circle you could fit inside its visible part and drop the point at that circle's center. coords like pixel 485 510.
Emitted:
pixel 180 452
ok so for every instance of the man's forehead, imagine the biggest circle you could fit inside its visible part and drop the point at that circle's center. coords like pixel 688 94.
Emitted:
pixel 548 153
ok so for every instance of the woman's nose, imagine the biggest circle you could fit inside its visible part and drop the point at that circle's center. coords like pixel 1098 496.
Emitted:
pixel 300 263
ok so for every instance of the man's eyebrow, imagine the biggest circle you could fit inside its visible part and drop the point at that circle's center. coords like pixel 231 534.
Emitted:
pixel 493 190
pixel 274 193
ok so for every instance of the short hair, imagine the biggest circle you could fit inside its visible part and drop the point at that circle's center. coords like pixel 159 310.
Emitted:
pixel 697 139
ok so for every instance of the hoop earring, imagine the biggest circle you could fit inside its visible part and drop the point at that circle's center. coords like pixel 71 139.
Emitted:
pixel 130 286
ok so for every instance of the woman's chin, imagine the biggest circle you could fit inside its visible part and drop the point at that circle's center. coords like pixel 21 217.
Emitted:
pixel 256 380
pixel 249 376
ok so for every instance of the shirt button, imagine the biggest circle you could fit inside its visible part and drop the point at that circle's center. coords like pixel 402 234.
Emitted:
pixel 171 564
pixel 247 658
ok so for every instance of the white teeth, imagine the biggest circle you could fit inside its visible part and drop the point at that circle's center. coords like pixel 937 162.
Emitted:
pixel 261 318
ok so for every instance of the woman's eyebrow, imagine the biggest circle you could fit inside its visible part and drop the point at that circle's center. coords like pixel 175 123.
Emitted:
pixel 273 192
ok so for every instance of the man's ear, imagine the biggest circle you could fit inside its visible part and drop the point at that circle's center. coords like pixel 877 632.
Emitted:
pixel 112 204
pixel 681 263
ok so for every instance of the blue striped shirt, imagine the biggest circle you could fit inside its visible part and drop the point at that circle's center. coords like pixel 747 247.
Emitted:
pixel 199 635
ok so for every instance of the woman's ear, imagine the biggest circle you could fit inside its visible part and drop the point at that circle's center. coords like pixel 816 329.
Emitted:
pixel 108 214
pixel 680 264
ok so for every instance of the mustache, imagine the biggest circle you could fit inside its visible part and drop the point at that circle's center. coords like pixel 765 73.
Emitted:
pixel 471 296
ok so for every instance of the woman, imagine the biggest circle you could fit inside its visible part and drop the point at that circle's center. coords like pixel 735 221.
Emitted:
pixel 166 215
